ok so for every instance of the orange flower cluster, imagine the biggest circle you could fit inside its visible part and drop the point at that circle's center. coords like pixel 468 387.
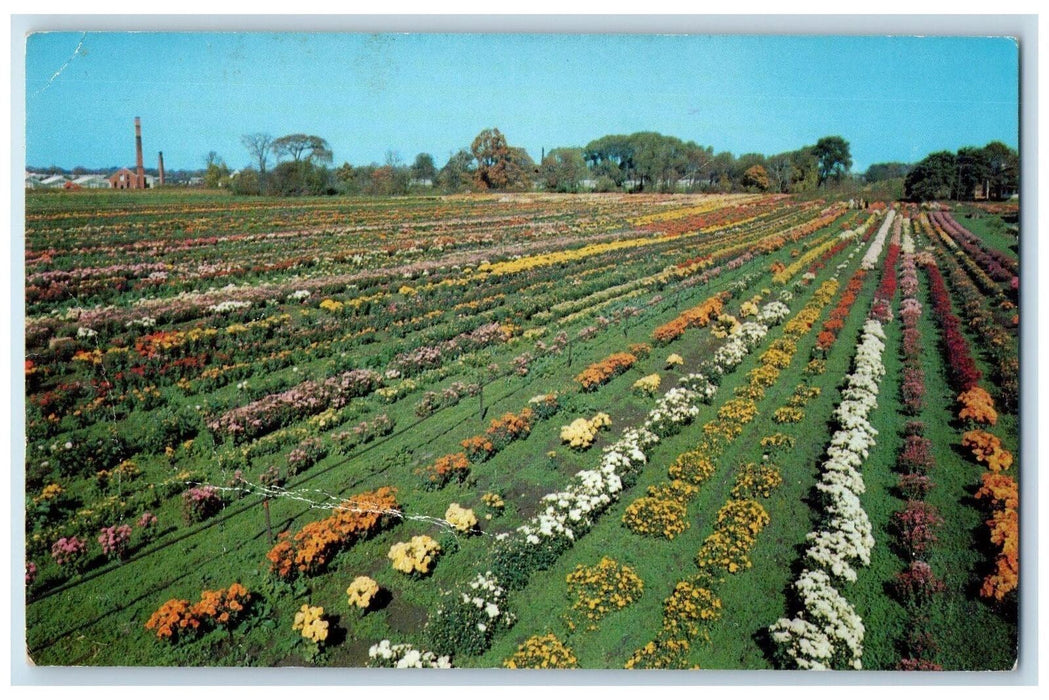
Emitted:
pixel 173 618
pixel 177 617
pixel 836 321
pixel 223 606
pixel 987 448
pixel 1005 533
pixel 696 317
pixel 1000 489
pixel 600 372
pixel 978 406
pixel 1003 493
pixel 500 433
pixel 314 545
pixel 444 469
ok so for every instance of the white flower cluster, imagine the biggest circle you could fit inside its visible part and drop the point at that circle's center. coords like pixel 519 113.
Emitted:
pixel 388 655
pixel 700 386
pixel 676 408
pixel 569 513
pixel 744 339
pixel 773 313
pixel 299 295
pixel 907 247
pixel 85 333
pixel 827 630
pixel 227 306
pixel 826 633
pixel 870 258
pixel 486 594
pixel 846 534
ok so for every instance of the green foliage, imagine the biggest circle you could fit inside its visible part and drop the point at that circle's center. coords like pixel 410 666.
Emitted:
pixel 563 170
pixel 991 172
pixel 834 158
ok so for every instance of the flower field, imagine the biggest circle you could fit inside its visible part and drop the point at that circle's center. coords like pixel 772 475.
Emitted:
pixel 528 431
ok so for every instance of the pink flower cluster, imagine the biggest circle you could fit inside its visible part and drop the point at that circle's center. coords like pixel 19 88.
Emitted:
pixel 68 551
pixel 305 399
pixel 115 540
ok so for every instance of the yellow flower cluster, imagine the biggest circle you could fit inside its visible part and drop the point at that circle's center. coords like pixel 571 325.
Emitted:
pixel 49 493
pixel 361 592
pixel 738 524
pixel 656 517
pixel 310 621
pixel 415 556
pixel 599 590
pixel 816 367
pixel 493 501
pixel 546 651
pixel 788 414
pixel 748 308
pixel 661 653
pixel 802 322
pixel 777 440
pixel 777 357
pixel 332 305
pixel 754 480
pixel 724 326
pixel 647 385
pixel 674 360
pixel 462 519
pixel 762 377
pixel 739 410
pixel 784 275
pixel 802 395
pixel 695 467
pixel 689 610
pixel 676 490
pixel 580 433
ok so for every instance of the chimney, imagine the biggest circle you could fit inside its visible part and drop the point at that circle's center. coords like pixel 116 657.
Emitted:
pixel 160 166
pixel 140 172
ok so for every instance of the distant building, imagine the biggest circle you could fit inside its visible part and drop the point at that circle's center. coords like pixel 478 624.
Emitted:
pixel 92 182
pixel 124 179
pixel 54 181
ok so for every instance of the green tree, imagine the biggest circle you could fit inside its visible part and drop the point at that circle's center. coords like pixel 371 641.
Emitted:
pixel 832 154
pixel 974 170
pixel 934 177
pixel 563 170
pixel 878 172
pixel 301 147
pixel 246 182
pixel 216 173
pixel 1003 170
pixel 423 168
pixel 457 174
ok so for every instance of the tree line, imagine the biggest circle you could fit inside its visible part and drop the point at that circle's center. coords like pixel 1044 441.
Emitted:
pixel 991 172
pixel 639 162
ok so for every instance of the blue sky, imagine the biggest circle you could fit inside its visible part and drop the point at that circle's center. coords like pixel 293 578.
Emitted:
pixel 892 98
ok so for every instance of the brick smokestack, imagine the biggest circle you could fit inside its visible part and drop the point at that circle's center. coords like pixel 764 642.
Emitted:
pixel 160 166
pixel 140 171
